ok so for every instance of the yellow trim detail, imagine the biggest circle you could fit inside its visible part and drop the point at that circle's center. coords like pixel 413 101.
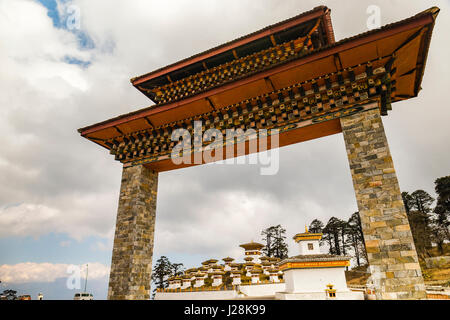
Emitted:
pixel 315 264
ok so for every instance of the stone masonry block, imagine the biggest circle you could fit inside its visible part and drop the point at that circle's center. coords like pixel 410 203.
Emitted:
pixel 131 264
pixel 388 239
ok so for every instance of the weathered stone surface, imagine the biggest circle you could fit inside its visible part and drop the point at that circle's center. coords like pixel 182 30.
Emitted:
pixel 131 265
pixel 390 248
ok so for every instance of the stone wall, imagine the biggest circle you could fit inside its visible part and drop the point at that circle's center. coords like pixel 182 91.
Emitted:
pixel 131 265
pixel 391 252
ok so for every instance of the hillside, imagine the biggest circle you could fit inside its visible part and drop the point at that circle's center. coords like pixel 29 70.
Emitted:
pixel 437 276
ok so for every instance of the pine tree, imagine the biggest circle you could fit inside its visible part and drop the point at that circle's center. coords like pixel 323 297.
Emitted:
pixel 177 269
pixel 162 271
pixel 268 241
pixel 407 201
pixel 316 226
pixel 332 233
pixel 356 238
pixel 281 248
pixel 275 242
pixel 440 222
pixel 418 207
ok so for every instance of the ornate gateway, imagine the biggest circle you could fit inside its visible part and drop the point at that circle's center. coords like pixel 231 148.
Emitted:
pixel 291 76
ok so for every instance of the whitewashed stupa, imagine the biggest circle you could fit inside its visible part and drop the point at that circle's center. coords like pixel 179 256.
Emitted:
pixel 310 275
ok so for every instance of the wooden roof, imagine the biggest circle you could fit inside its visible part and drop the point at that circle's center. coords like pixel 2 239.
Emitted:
pixel 228 259
pixel 267 37
pixel 307 236
pixel 210 261
pixel 408 40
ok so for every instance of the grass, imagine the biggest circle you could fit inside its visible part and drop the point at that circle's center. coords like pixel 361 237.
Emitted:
pixel 357 276
pixel 437 276
pixel 432 276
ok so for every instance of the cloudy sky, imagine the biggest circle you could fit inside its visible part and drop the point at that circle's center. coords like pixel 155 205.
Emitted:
pixel 59 192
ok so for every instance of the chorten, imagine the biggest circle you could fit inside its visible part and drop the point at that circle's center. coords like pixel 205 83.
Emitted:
pixel 186 281
pixel 199 279
pixel 228 261
pixel 217 277
pixel 255 274
pixel 236 275
pixel 309 243
pixel 253 250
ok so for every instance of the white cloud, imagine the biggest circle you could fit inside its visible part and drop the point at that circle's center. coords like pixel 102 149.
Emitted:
pixel 102 246
pixel 78 218
pixel 47 272
pixel 35 50
pixel 26 219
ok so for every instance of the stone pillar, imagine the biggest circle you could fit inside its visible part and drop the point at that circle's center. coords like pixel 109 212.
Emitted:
pixel 131 265
pixel 391 252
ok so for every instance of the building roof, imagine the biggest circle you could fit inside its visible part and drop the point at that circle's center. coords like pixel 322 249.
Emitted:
pixel 252 246
pixel 267 37
pixel 256 271
pixel 307 236
pixel 217 273
pixel 407 40
pixel 210 261
pixel 314 258
pixel 228 259
pixel 274 259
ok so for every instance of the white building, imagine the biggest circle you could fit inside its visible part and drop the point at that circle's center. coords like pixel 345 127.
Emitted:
pixel 311 273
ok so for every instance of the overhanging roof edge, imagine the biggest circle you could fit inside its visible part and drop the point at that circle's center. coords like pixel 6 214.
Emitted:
pixel 317 11
pixel 430 13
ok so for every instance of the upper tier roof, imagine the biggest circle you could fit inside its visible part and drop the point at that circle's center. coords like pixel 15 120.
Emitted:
pixel 252 246
pixel 307 236
pixel 266 38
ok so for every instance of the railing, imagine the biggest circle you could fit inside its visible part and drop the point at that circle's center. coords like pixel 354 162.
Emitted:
pixel 198 289
pixel 363 288
pixel 437 296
